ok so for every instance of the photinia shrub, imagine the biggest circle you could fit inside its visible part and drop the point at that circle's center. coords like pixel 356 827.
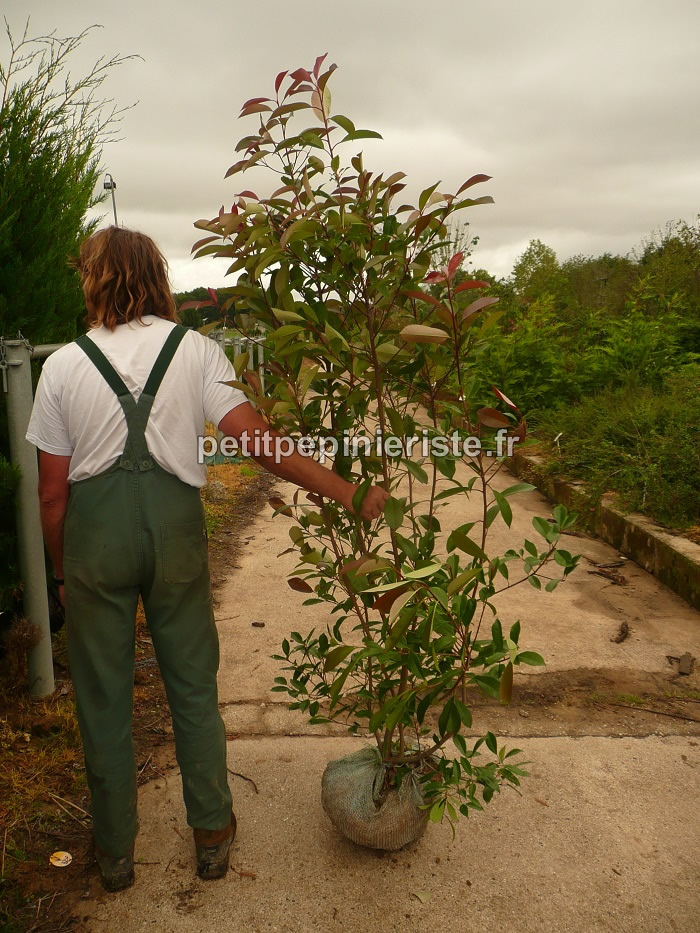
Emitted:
pixel 363 336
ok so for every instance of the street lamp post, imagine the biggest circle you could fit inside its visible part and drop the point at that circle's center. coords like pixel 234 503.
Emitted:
pixel 111 185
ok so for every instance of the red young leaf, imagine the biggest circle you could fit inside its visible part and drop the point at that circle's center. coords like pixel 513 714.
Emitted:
pixel 477 306
pixel 280 505
pixel 474 180
pixel 351 566
pixel 492 418
pixel 319 61
pixel 520 431
pixel 279 79
pixel 312 497
pixel 301 73
pixel 474 283
pixel 504 398
pixel 254 108
pixel 255 100
pixel 301 586
pixel 212 294
pixel 195 304
pixel 421 224
pixel 424 296
pixel 253 380
pixel 247 194
pixel 384 602
pixel 435 277
pixel 454 264
pixel 207 239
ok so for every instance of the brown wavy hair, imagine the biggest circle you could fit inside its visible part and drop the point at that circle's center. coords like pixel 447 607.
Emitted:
pixel 124 277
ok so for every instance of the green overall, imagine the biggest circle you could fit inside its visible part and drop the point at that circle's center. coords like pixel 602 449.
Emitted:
pixel 137 530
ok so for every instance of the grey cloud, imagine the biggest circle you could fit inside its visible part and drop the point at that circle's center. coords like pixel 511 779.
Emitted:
pixel 585 114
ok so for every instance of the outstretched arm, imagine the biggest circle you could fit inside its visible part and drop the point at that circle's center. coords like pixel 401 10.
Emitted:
pixel 304 471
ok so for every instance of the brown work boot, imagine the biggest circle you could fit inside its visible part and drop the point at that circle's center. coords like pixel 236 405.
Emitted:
pixel 213 847
pixel 115 873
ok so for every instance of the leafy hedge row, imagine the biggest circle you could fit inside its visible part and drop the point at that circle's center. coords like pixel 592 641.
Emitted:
pixel 611 374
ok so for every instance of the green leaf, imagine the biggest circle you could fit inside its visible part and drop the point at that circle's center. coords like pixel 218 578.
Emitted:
pixel 465 715
pixel 530 657
pixel 395 420
pixel 385 587
pixel 491 743
pixel 506 690
pixel 446 493
pixel 461 580
pixel 465 543
pixel 423 572
pixel 361 134
pixel 287 316
pixel 425 195
pixel 504 507
pixel 398 605
pixel 336 655
pixel 240 362
pixel 449 720
pixel 416 471
pixel 339 682
pixel 408 547
pixel 542 526
pixel 518 487
pixel 393 513
pixel 401 626
pixel 436 811
pixel 296 534
pixel 359 495
pixel 426 627
pixel 343 123
pixel 463 529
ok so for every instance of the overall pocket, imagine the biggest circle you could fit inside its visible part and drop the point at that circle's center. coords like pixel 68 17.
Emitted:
pixel 184 549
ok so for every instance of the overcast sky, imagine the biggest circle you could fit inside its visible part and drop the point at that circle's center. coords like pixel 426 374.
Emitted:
pixel 587 115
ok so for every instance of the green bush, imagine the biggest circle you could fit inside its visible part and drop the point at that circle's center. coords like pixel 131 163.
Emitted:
pixel 638 443
pixel 52 128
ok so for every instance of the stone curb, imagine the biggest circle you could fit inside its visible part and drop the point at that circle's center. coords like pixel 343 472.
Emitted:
pixel 674 560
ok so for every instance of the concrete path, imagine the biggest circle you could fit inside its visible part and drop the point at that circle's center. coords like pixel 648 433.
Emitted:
pixel 604 837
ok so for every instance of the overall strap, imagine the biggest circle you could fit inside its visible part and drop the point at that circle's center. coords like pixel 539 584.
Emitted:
pixel 164 360
pixel 136 455
pixel 112 377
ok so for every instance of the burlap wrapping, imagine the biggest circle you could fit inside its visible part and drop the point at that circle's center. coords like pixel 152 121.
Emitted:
pixel 355 798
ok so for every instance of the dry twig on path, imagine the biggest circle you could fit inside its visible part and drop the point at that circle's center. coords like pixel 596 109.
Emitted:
pixel 236 774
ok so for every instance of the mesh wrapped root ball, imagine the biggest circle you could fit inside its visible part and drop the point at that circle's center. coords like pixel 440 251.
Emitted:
pixel 361 807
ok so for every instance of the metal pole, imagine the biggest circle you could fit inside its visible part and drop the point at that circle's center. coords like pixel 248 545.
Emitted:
pixel 111 185
pixel 261 365
pixel 30 541
pixel 44 350
pixel 220 337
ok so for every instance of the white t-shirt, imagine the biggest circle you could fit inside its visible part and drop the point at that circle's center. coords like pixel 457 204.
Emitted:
pixel 77 414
